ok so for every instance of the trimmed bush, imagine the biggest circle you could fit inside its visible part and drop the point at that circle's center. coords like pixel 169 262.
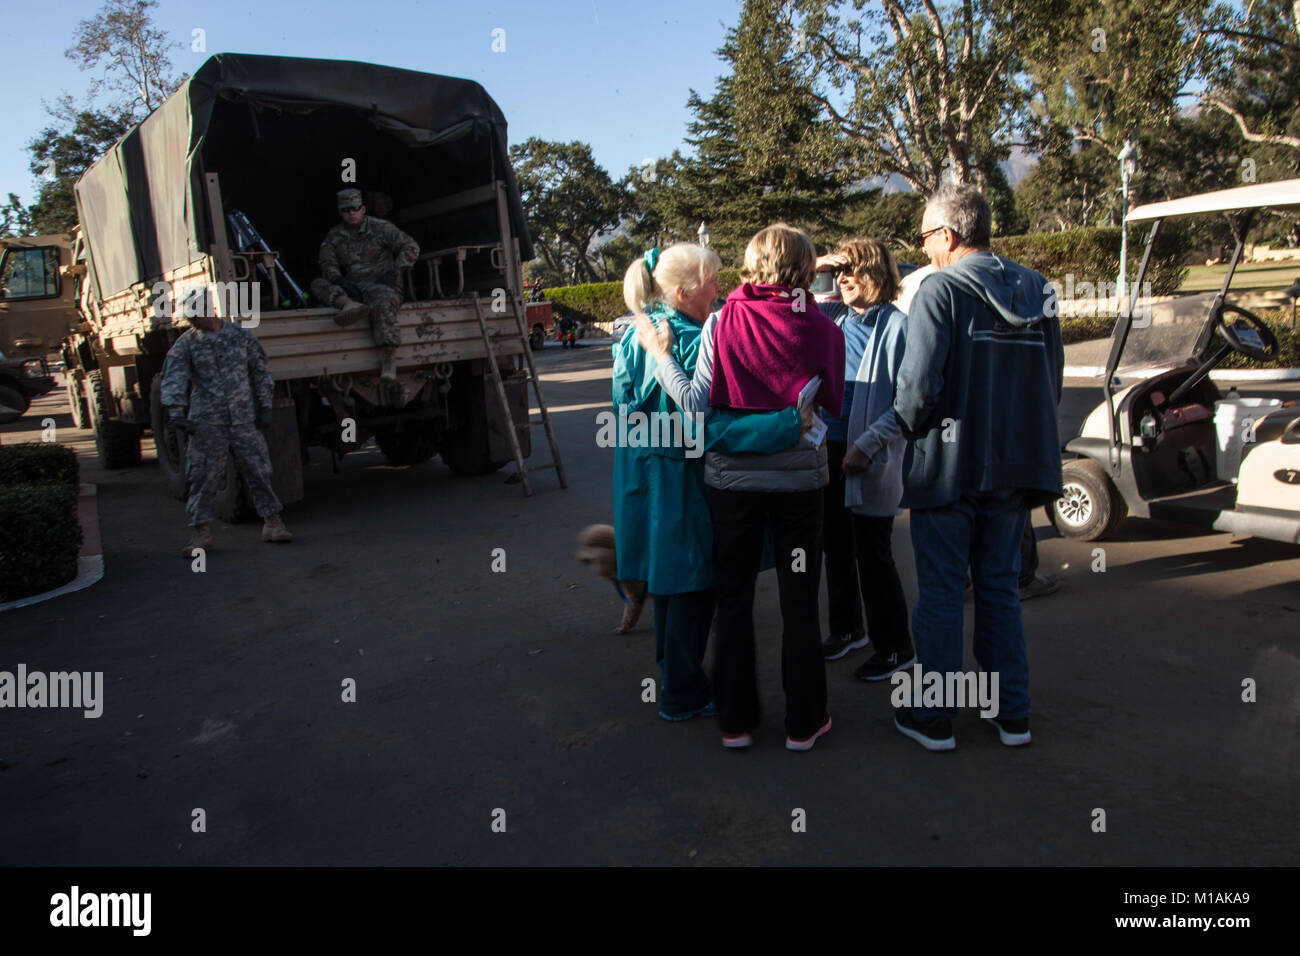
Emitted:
pixel 1086 328
pixel 593 302
pixel 36 463
pixel 39 538
pixel 1092 255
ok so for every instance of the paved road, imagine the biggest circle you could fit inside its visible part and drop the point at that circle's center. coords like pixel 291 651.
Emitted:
pixel 479 691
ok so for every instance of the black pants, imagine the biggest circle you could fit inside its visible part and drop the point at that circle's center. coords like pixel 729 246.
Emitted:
pixel 844 602
pixel 738 524
pixel 682 623
pixel 882 589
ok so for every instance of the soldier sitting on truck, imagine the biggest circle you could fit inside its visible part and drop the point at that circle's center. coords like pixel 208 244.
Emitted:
pixel 361 258
pixel 218 370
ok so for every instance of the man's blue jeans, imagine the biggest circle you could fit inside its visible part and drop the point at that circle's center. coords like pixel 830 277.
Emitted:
pixel 980 531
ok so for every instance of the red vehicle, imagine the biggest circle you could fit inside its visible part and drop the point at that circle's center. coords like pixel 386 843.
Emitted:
pixel 541 320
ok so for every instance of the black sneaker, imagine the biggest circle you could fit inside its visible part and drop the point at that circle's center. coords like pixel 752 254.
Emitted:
pixel 935 734
pixel 837 645
pixel 880 666
pixel 1012 731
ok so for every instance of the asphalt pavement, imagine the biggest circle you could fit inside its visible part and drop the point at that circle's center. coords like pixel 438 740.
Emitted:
pixel 502 697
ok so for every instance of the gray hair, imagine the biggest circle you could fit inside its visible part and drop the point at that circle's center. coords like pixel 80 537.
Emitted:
pixel 964 210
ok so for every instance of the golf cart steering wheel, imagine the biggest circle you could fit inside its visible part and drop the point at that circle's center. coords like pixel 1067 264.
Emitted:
pixel 1261 347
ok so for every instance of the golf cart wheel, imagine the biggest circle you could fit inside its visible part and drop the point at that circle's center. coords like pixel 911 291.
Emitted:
pixel 1090 507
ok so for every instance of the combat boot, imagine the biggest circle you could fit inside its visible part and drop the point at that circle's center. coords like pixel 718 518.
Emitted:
pixel 389 371
pixel 350 311
pixel 273 529
pixel 200 537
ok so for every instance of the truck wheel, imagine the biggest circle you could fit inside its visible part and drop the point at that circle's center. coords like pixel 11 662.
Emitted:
pixel 12 404
pixel 233 504
pixel 537 339
pixel 118 442
pixel 465 451
pixel 409 447
pixel 1090 508
pixel 168 443
pixel 77 402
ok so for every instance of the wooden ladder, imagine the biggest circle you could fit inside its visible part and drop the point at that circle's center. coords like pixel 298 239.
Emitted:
pixel 530 376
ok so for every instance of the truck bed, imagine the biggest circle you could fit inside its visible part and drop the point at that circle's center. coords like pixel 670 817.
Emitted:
pixel 304 343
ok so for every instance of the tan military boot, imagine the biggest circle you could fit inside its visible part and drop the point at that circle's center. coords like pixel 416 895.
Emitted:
pixel 389 371
pixel 273 529
pixel 350 310
pixel 200 537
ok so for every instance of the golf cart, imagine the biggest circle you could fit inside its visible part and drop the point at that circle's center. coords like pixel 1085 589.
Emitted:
pixel 1166 443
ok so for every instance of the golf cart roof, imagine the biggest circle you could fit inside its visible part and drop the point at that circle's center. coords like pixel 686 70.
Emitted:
pixel 1259 195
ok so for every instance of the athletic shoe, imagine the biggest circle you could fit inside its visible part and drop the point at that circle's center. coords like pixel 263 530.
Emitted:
pixel 1012 731
pixel 736 741
pixel 1042 584
pixel 837 645
pixel 934 734
pixel 708 710
pixel 880 666
pixel 807 744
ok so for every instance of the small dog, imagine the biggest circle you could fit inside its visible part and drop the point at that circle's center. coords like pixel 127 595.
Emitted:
pixel 596 550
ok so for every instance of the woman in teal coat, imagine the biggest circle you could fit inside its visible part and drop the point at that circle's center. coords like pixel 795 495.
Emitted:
pixel 663 534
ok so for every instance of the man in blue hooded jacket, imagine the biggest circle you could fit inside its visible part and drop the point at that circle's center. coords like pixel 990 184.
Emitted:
pixel 977 394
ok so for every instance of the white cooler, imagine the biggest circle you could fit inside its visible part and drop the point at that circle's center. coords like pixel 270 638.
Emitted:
pixel 1230 430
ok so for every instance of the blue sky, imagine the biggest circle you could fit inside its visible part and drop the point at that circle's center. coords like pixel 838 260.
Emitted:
pixel 612 73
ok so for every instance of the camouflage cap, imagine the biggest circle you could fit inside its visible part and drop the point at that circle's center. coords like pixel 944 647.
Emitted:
pixel 350 199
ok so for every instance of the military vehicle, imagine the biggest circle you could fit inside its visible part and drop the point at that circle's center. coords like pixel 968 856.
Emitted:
pixel 220 198
pixel 33 297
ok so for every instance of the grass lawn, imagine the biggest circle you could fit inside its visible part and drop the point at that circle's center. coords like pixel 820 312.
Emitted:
pixel 1249 275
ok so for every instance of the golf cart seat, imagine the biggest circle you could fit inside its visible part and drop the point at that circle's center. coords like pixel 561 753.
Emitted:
pixel 1177 416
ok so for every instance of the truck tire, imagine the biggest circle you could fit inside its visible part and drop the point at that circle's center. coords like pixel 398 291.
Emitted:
pixel 465 451
pixel 77 402
pixel 12 404
pixel 410 446
pixel 168 443
pixel 233 504
pixel 1091 507
pixel 118 443
pixel 537 338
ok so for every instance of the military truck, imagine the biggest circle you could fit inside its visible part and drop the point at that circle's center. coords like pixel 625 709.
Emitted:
pixel 34 297
pixel 220 198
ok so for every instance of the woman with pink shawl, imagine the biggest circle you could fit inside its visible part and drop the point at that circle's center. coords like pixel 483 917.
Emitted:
pixel 758 354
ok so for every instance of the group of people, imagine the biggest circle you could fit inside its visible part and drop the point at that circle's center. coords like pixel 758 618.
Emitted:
pixel 817 424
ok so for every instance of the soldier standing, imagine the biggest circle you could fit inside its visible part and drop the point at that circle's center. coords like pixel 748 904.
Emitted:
pixel 218 370
pixel 361 258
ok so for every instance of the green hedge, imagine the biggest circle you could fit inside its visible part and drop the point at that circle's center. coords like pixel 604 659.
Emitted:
pixel 39 538
pixel 1092 255
pixel 36 463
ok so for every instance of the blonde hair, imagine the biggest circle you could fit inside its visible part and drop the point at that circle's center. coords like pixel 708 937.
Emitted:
pixel 873 266
pixel 780 255
pixel 683 265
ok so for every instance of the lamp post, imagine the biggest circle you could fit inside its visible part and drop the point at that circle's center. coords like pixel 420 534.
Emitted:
pixel 1127 166
pixel 703 233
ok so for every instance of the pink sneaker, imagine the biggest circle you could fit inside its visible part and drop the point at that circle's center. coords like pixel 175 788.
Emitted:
pixel 792 744
pixel 737 740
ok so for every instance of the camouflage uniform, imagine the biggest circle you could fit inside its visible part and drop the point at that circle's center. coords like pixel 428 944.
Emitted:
pixel 222 377
pixel 360 256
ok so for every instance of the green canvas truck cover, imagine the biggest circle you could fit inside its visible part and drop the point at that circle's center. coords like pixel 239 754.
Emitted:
pixel 281 133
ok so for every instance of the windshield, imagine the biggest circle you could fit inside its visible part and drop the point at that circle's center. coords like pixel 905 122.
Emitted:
pixel 1164 334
